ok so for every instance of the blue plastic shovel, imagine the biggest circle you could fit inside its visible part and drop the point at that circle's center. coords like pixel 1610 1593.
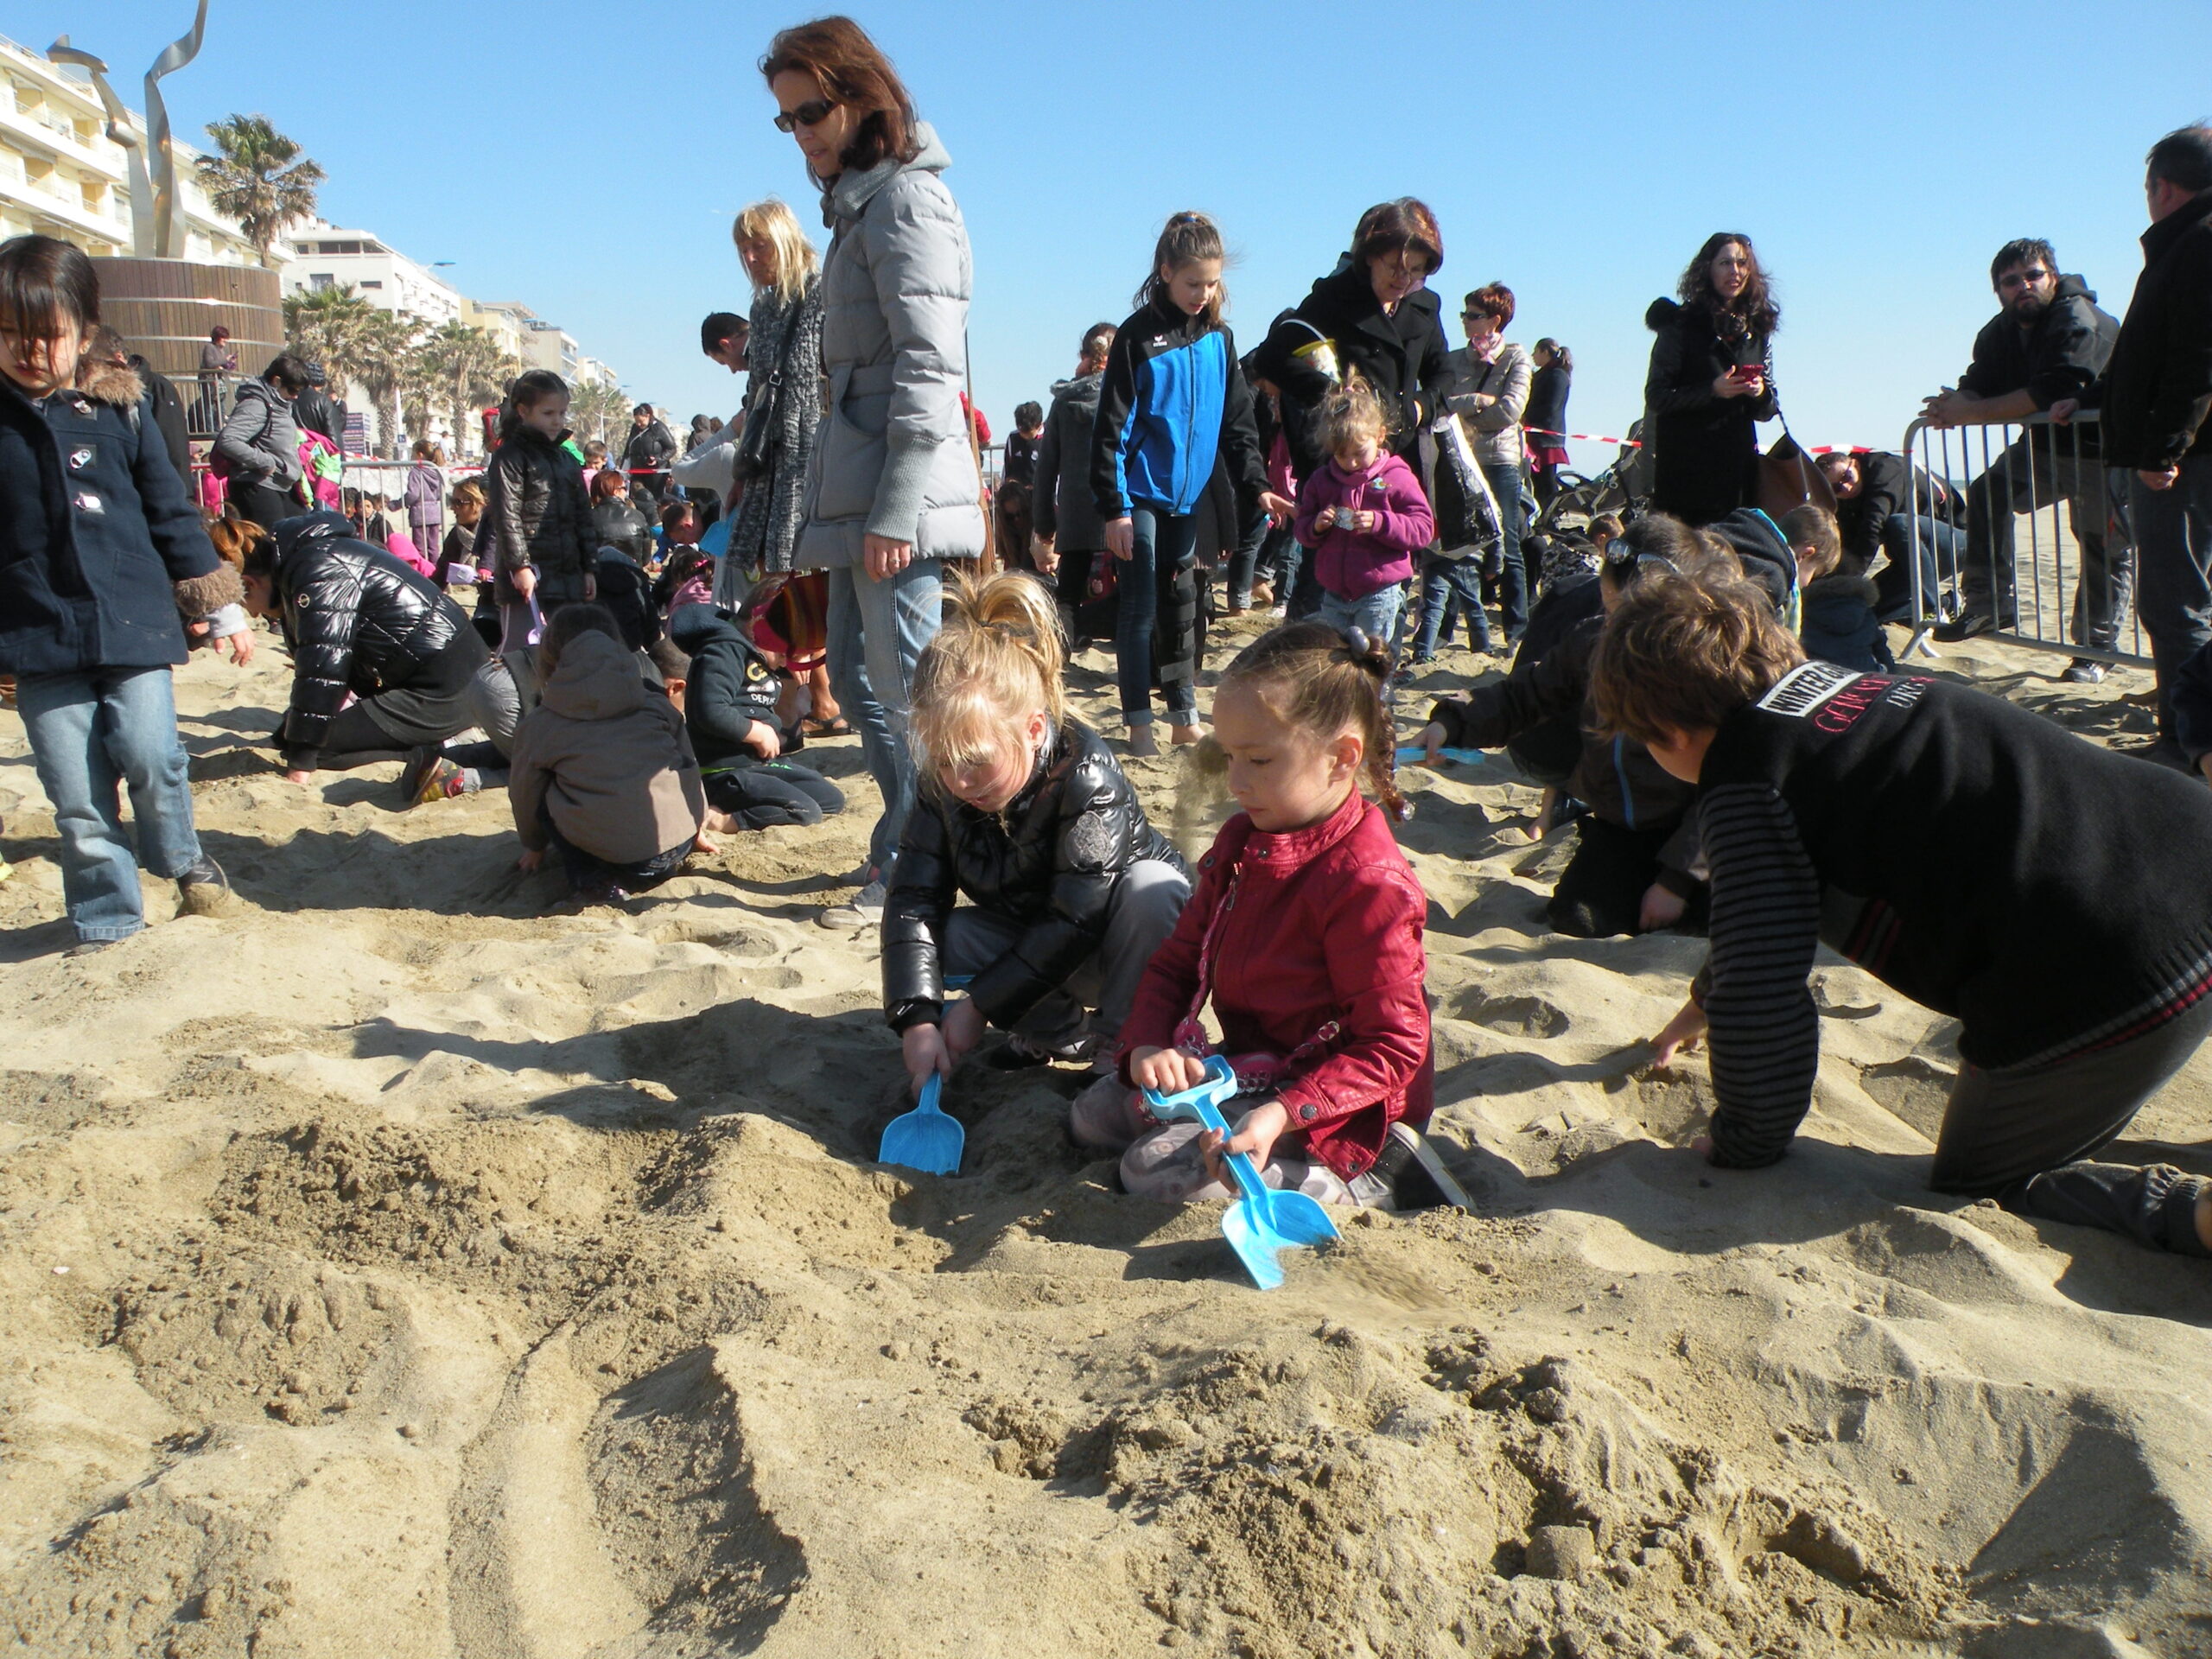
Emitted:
pixel 924 1139
pixel 1263 1220
pixel 1415 755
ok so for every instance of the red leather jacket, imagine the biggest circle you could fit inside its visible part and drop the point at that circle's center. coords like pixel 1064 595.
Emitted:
pixel 1317 928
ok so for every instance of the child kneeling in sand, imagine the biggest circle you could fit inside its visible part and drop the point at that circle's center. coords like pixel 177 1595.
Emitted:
pixel 602 771
pixel 728 701
pixel 1966 851
pixel 1305 933
pixel 1021 807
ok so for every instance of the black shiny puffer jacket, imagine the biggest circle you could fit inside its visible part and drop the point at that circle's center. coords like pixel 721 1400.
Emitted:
pixel 356 619
pixel 535 513
pixel 1050 861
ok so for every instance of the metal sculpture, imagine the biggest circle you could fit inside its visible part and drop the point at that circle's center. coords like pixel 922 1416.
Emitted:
pixel 153 183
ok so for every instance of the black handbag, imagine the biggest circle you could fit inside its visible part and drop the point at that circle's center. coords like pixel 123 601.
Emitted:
pixel 754 444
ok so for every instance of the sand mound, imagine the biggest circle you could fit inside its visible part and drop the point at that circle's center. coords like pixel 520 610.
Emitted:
pixel 394 1270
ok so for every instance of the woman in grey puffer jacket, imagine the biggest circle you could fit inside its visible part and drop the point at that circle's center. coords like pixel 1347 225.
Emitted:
pixel 893 490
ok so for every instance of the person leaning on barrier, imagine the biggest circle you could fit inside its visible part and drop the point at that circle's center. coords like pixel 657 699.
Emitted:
pixel 1878 497
pixel 2156 401
pixel 2048 342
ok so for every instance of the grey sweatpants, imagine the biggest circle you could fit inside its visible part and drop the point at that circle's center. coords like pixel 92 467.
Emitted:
pixel 1147 900
pixel 2026 1136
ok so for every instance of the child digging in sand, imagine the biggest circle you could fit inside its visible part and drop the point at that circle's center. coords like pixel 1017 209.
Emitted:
pixel 729 699
pixel 602 772
pixel 1966 851
pixel 1022 808
pixel 1305 933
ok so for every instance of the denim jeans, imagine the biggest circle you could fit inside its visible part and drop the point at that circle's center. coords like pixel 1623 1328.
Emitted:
pixel 90 733
pixel 1942 548
pixel 877 633
pixel 2173 531
pixel 1375 614
pixel 2020 481
pixel 1513 579
pixel 1441 582
pixel 1162 543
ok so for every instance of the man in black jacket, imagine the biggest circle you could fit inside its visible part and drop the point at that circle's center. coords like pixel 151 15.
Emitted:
pixel 2048 343
pixel 1885 504
pixel 2157 399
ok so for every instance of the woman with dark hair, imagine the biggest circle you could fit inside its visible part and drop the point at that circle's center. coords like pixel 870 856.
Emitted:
pixel 614 522
pixel 1546 419
pixel 893 489
pixel 258 451
pixel 1372 315
pixel 1708 387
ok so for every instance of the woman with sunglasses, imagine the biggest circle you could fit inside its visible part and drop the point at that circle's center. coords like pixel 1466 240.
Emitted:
pixel 893 490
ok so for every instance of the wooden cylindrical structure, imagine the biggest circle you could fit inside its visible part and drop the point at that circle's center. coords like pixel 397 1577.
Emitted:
pixel 164 309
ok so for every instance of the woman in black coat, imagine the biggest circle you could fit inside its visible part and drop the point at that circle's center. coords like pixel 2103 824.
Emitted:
pixel 1708 386
pixel 1545 418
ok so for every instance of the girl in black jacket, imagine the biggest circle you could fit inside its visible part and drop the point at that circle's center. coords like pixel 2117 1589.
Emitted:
pixel 100 550
pixel 1023 810
pixel 1707 388
pixel 538 529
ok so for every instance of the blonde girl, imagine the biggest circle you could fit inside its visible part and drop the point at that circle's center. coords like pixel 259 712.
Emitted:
pixel 1305 935
pixel 1021 807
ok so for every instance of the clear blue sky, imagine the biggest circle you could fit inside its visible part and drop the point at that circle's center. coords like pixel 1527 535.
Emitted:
pixel 588 159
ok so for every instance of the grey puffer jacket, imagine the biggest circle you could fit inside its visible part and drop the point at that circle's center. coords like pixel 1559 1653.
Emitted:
pixel 892 458
pixel 259 442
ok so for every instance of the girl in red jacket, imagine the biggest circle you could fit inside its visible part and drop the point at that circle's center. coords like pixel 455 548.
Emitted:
pixel 1304 932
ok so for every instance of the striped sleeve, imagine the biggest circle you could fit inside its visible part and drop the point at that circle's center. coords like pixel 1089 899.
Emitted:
pixel 1764 1036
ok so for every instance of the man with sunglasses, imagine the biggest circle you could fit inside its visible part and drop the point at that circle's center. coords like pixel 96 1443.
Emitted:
pixel 2047 341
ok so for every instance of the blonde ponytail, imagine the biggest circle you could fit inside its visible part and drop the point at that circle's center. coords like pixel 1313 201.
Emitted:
pixel 997 659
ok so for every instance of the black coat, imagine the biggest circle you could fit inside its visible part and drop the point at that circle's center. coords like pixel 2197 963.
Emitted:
pixel 95 528
pixel 730 685
pixel 1705 448
pixel 650 450
pixel 1887 486
pixel 1545 418
pixel 1060 502
pixel 1400 354
pixel 628 592
pixel 356 619
pixel 316 410
pixel 1051 861
pixel 536 512
pixel 2058 355
pixel 169 415
pixel 2157 394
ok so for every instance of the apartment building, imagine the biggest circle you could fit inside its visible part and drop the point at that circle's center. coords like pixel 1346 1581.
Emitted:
pixel 326 255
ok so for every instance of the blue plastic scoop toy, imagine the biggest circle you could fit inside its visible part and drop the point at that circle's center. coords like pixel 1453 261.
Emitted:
pixel 1415 755
pixel 1262 1221
pixel 924 1139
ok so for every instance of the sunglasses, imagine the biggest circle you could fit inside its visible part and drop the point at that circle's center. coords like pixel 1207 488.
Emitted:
pixel 1619 555
pixel 812 113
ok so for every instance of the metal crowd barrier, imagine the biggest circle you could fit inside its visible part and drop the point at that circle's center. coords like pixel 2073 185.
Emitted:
pixel 2058 583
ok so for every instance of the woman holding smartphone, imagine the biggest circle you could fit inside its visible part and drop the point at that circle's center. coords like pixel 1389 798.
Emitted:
pixel 1707 388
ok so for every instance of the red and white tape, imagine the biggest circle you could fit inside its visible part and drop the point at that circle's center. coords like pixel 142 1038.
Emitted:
pixel 1633 443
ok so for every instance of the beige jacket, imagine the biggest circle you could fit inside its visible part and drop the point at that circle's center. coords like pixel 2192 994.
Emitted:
pixel 1495 431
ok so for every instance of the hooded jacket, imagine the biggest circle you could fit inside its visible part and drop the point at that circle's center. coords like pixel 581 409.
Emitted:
pixel 100 547
pixel 1050 861
pixel 258 443
pixel 607 759
pixel 1401 354
pixel 1173 401
pixel 1839 623
pixel 2058 355
pixel 535 513
pixel 1317 945
pixel 1061 503
pixel 1766 555
pixel 356 619
pixel 1703 447
pixel 730 686
pixel 1353 563
pixel 2157 395
pixel 1888 485
pixel 426 504
pixel 893 458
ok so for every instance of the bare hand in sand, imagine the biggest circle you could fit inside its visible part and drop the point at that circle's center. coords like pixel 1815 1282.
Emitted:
pixel 239 645
pixel 923 1049
pixel 530 859
pixel 1682 1033
pixel 1662 907
pixel 1256 1134
pixel 1171 1070
pixel 963 1029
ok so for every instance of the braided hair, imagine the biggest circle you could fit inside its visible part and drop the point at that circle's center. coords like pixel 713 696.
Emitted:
pixel 1325 681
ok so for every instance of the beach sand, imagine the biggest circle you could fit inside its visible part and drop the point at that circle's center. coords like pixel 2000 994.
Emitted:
pixel 390 1269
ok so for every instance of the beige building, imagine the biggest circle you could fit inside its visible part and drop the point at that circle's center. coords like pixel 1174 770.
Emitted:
pixel 61 176
pixel 326 255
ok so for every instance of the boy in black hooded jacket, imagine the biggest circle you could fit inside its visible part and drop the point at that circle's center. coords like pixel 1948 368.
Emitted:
pixel 729 699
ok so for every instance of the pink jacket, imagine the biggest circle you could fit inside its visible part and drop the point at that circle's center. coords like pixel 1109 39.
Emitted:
pixel 1352 564
pixel 403 549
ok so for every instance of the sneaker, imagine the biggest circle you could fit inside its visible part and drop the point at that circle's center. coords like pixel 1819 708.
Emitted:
pixel 865 911
pixel 1020 1053
pixel 1142 744
pixel 2083 670
pixel 1970 625
pixel 441 782
pixel 89 947
pixel 421 762
pixel 203 889
pixel 1278 612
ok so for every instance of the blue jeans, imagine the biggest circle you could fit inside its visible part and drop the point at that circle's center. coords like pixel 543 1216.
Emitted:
pixel 1942 548
pixel 2173 538
pixel 1375 614
pixel 877 633
pixel 1441 582
pixel 1513 578
pixel 1163 544
pixel 91 732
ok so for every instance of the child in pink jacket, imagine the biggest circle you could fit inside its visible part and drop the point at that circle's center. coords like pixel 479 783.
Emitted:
pixel 1364 516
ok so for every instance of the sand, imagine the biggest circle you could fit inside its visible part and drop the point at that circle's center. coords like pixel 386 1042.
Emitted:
pixel 390 1269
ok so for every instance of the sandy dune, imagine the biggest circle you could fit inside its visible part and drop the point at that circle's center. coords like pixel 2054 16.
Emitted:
pixel 390 1270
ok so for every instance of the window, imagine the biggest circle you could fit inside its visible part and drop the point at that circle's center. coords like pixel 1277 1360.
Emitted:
pixel 371 284
pixel 322 280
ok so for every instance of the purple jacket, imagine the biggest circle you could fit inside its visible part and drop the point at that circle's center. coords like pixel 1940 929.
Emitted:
pixel 1352 564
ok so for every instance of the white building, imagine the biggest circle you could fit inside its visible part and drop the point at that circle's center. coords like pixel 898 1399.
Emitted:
pixel 326 255
pixel 61 176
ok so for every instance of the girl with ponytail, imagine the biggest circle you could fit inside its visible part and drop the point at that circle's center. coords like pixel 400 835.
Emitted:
pixel 1305 934
pixel 1021 807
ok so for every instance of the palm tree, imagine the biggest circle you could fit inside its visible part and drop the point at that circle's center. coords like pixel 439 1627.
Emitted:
pixel 389 341
pixel 329 326
pixel 259 178
pixel 469 369
pixel 595 407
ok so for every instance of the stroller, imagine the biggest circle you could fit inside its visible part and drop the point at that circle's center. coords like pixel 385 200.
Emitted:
pixel 1621 489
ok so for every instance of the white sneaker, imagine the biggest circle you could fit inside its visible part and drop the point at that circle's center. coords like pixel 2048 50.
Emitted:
pixel 865 911
pixel 1278 611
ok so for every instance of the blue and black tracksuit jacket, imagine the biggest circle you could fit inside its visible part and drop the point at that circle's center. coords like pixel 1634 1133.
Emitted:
pixel 1174 402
